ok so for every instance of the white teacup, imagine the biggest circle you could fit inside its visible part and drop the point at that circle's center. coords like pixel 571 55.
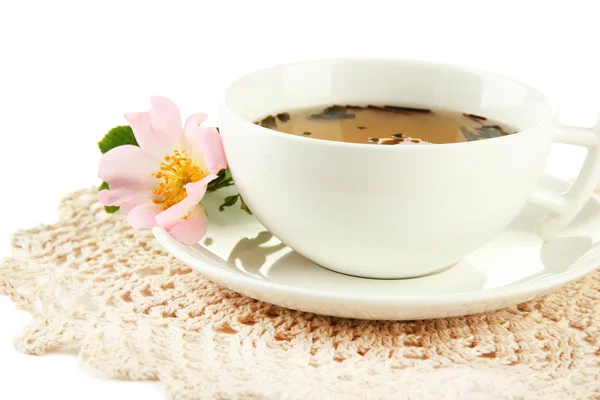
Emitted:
pixel 396 211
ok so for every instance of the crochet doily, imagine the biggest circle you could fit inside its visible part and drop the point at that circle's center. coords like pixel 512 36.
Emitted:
pixel 95 285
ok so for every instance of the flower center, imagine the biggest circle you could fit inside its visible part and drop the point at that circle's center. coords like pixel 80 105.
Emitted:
pixel 176 171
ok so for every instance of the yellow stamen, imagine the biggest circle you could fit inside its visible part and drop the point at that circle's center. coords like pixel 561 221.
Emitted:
pixel 176 171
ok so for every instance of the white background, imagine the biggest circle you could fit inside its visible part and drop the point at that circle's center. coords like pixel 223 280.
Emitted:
pixel 68 70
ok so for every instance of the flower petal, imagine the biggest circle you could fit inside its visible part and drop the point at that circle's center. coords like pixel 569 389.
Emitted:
pixel 149 140
pixel 165 118
pixel 208 141
pixel 126 207
pixel 196 119
pixel 127 165
pixel 159 130
pixel 192 229
pixel 195 192
pixel 144 216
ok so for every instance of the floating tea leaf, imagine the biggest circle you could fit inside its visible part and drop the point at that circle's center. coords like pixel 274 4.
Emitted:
pixel 334 112
pixel 283 117
pixel 373 107
pixel 407 109
pixel 475 118
pixel 269 122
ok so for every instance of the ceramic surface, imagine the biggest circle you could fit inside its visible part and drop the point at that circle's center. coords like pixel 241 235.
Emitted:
pixel 516 266
pixel 395 211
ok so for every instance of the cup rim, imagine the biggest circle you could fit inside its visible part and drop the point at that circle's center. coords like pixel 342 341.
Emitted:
pixel 322 142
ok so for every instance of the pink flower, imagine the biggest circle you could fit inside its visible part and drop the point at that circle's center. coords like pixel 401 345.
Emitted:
pixel 162 182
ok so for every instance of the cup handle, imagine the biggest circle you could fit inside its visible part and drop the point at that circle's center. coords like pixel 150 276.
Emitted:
pixel 564 207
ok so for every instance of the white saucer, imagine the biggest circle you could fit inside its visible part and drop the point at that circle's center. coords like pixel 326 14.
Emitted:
pixel 516 267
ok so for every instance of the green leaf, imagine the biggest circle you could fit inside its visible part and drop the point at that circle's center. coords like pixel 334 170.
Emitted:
pixel 224 180
pixel 117 136
pixel 108 209
pixel 111 209
pixel 229 201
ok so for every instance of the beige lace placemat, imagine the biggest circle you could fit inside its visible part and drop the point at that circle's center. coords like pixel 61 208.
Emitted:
pixel 94 285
